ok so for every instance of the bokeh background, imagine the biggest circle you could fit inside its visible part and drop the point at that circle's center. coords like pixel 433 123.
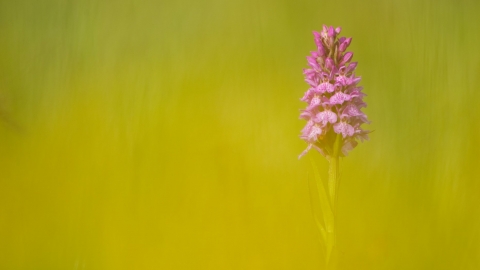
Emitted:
pixel 164 135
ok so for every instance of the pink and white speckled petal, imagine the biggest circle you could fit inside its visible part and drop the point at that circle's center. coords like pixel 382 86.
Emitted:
pixel 331 117
pixel 314 103
pixel 308 95
pixel 314 132
pixel 306 129
pixel 339 98
pixel 352 110
pixel 342 80
pixel 344 129
pixel 325 87
pixel 325 117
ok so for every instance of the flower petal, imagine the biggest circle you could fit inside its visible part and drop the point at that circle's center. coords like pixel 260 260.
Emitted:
pixel 344 44
pixel 342 80
pixel 347 57
pixel 351 67
pixel 325 117
pixel 315 102
pixel 314 132
pixel 329 64
pixel 348 146
pixel 305 151
pixel 331 117
pixel 339 98
pixel 313 62
pixel 352 110
pixel 307 115
pixel 308 95
pixel 325 87
pixel 344 129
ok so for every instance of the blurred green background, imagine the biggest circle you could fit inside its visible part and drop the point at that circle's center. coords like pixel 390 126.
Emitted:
pixel 164 135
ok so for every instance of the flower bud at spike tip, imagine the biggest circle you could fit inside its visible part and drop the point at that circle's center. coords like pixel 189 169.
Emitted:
pixel 347 57
pixel 344 44
pixel 331 32
pixel 351 67
pixel 334 102
pixel 329 64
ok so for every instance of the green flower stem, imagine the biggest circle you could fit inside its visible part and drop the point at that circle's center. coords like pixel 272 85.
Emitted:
pixel 333 179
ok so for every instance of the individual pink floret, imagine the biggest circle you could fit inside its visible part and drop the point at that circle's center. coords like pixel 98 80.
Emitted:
pixel 325 87
pixel 325 117
pixel 344 129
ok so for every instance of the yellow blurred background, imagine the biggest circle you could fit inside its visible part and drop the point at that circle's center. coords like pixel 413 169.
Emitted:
pixel 164 135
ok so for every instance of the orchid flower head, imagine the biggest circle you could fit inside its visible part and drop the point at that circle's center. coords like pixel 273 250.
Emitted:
pixel 334 101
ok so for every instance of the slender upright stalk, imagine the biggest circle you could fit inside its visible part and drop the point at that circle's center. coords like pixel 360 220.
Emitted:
pixel 333 170
pixel 334 120
pixel 333 179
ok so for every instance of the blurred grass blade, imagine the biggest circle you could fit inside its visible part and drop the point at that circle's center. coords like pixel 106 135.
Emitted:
pixel 322 195
pixel 321 227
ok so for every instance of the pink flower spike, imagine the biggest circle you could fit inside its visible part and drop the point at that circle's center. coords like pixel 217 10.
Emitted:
pixel 334 99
